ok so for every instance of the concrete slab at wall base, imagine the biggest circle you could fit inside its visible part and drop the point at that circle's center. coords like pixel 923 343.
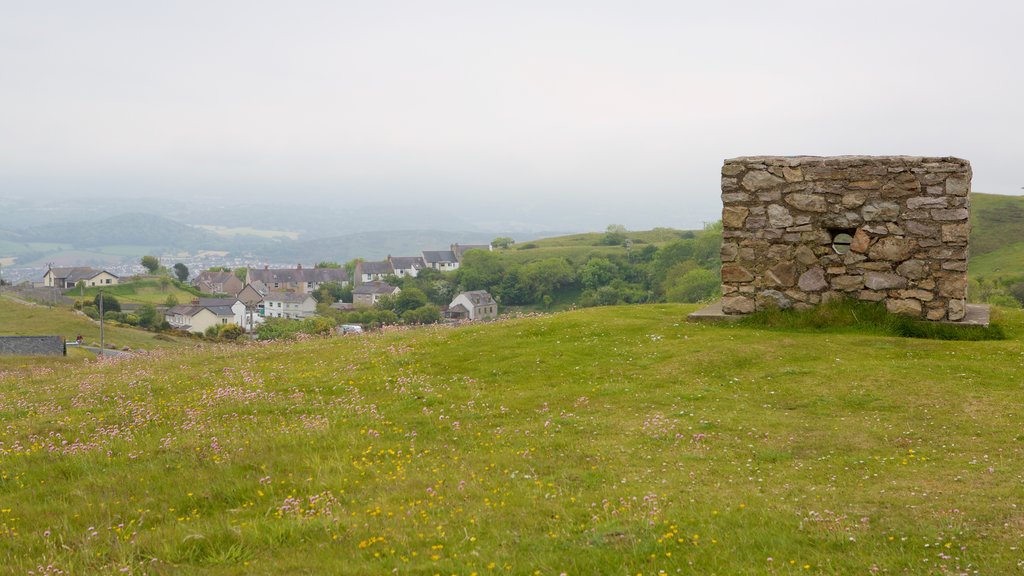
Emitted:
pixel 976 315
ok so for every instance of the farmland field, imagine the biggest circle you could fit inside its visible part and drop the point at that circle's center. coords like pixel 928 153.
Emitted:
pixel 617 440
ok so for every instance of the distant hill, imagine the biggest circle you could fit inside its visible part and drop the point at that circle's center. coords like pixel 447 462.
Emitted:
pixel 124 229
pixel 997 235
pixel 375 245
pixel 997 221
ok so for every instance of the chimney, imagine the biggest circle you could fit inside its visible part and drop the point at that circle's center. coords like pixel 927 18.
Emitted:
pixel 298 266
pixel 265 266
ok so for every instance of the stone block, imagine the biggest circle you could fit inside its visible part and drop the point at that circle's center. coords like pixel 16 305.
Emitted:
pixel 950 214
pixel 813 280
pixel 861 241
pixel 807 202
pixel 883 281
pixel 736 273
pixel 904 306
pixel 779 216
pixel 956 232
pixel 771 300
pixel 876 210
pixel 957 310
pixel 847 283
pixel 891 248
pixel 958 185
pixel 737 305
pixel 913 269
pixel 729 251
pixel 734 216
pixel 756 180
pixel 918 202
pixel 782 275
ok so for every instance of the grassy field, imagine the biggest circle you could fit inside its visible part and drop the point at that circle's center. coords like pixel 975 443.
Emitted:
pixel 147 291
pixel 996 221
pixel 17 319
pixel 601 441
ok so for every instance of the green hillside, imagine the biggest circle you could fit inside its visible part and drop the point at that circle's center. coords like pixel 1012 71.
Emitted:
pixel 618 440
pixel 996 221
pixel 20 319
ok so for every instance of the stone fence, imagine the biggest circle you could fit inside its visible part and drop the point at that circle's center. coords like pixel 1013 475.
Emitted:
pixel 798 231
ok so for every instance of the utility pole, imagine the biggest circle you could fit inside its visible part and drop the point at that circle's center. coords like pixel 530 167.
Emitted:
pixel 101 323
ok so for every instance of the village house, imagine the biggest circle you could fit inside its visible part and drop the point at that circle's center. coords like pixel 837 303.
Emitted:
pixel 406 265
pixel 298 279
pixel 293 305
pixel 371 271
pixel 236 305
pixel 65 278
pixel 197 318
pixel 368 293
pixel 460 249
pixel 217 282
pixel 443 260
pixel 473 305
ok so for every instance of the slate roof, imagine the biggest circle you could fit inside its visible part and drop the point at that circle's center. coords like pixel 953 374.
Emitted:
pixel 297 275
pixel 375 287
pixel 32 345
pixel 461 249
pixel 383 267
pixel 479 297
pixel 439 256
pixel 76 273
pixel 407 263
pixel 229 302
pixel 458 309
pixel 191 310
pixel 212 277
pixel 286 297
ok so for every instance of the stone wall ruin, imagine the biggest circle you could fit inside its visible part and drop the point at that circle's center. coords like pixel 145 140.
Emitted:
pixel 798 231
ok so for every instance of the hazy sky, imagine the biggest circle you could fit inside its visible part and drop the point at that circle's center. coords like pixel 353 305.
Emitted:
pixel 608 104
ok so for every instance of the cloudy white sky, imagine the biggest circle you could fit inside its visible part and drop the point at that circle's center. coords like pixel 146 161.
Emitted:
pixel 621 107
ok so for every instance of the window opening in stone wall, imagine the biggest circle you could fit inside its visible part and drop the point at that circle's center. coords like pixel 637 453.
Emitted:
pixel 841 240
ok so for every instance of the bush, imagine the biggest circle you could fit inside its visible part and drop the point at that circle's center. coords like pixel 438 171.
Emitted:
pixel 426 314
pixel 230 332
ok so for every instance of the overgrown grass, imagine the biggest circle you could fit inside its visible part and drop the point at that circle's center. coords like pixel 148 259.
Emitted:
pixel 853 316
pixel 17 319
pixel 143 291
pixel 616 440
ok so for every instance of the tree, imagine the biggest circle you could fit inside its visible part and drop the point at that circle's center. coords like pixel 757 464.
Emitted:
pixel 480 270
pixel 614 235
pixel 150 263
pixel 171 301
pixel 409 300
pixel 110 304
pixel 426 314
pixel 502 242
pixel 327 265
pixel 181 271
pixel 597 272
pixel 241 273
pixel 148 317
pixel 694 286
pixel 165 283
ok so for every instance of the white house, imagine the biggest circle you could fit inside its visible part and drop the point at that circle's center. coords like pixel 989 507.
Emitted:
pixel 443 260
pixel 65 278
pixel 237 307
pixel 406 265
pixel 198 319
pixel 288 305
pixel 372 271
pixel 473 305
